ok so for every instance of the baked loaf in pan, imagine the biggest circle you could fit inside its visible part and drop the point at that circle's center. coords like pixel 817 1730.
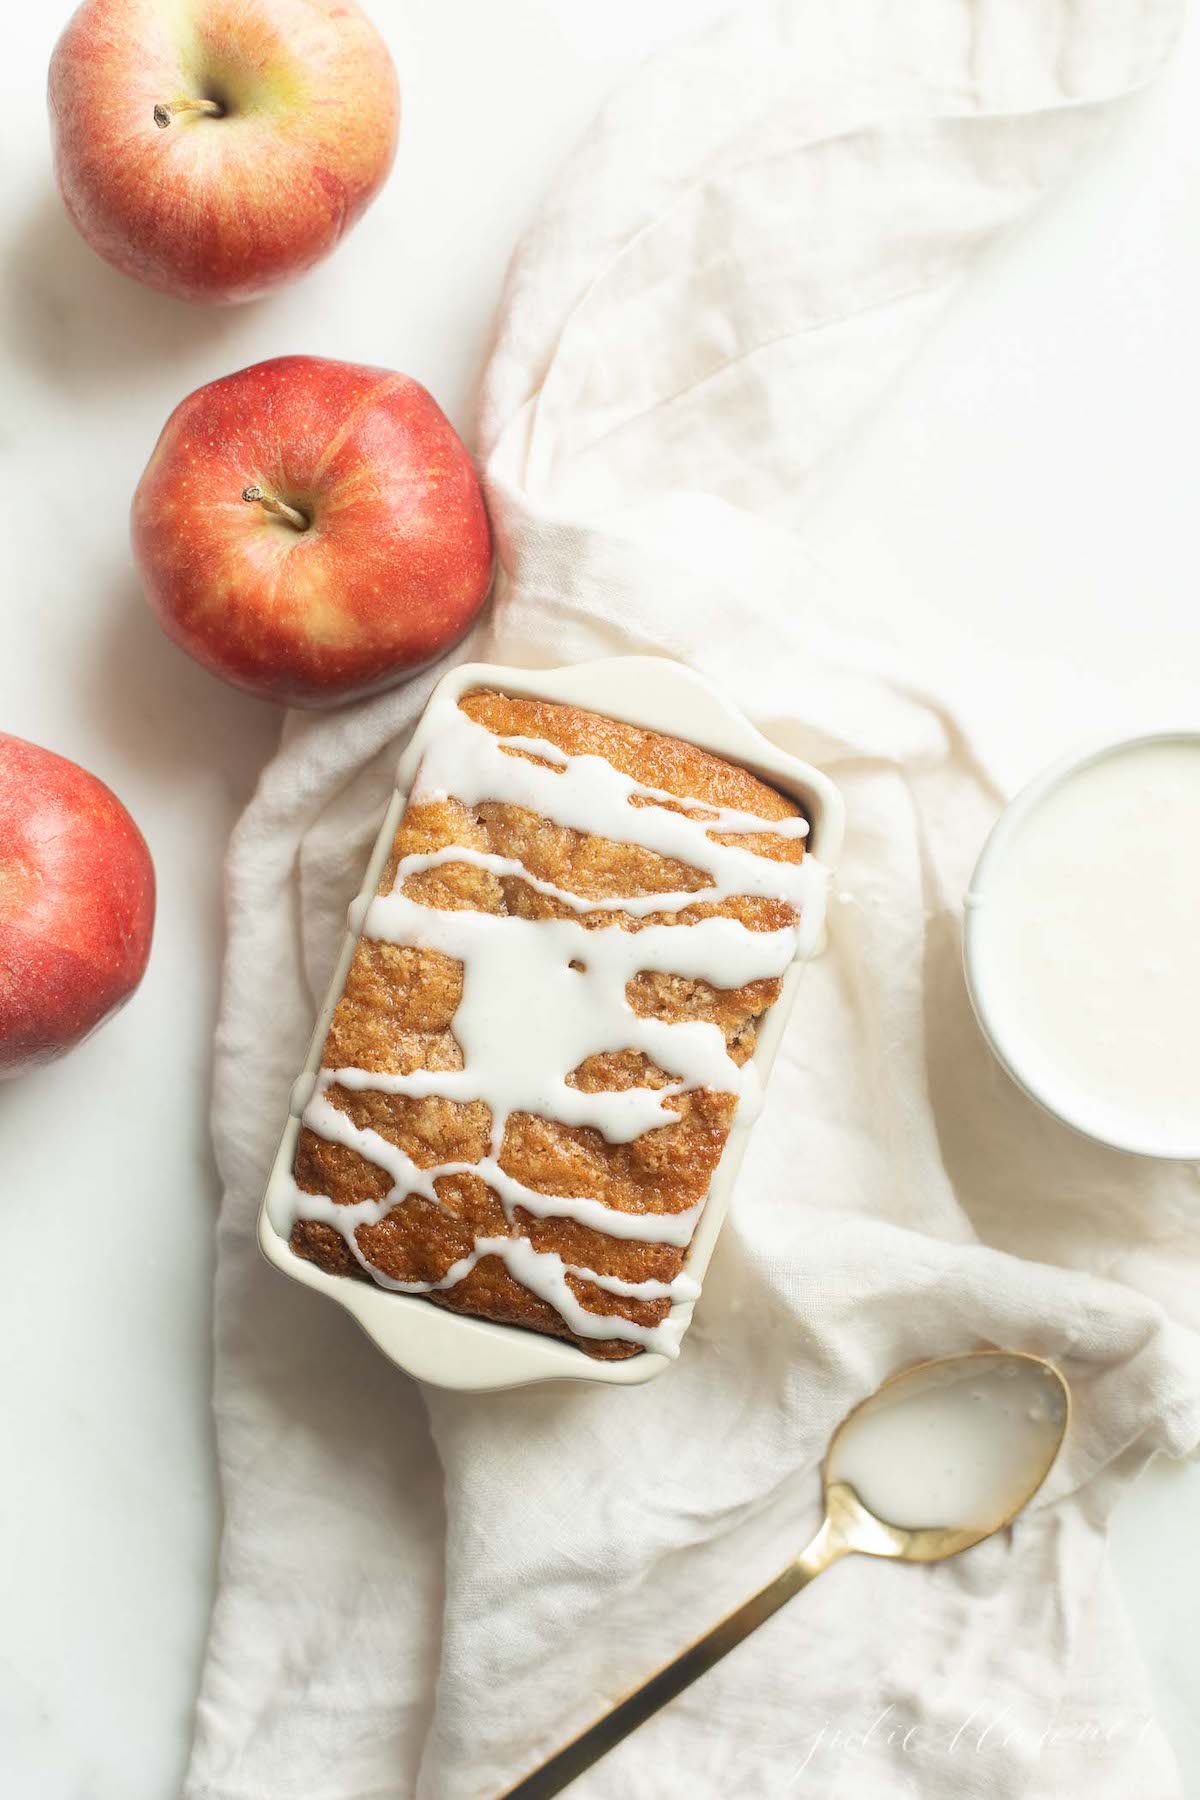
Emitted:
pixel 546 1028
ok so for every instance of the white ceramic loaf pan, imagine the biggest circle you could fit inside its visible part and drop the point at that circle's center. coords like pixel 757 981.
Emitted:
pixel 448 1348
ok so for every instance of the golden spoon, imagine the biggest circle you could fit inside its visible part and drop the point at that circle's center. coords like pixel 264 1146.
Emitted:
pixel 1002 1417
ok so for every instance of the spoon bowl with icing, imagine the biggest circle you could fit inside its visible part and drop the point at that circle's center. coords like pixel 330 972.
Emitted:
pixel 945 1454
pixel 939 1458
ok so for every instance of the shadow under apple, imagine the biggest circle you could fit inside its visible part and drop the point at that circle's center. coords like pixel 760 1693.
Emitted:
pixel 84 324
pixel 161 713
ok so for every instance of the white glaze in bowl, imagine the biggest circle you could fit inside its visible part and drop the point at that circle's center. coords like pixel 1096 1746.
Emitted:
pixel 451 1349
pixel 1080 943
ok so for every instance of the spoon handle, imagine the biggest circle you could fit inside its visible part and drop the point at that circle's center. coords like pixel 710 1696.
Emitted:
pixel 597 1739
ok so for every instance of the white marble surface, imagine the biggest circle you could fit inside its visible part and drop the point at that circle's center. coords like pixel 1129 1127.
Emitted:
pixel 1040 461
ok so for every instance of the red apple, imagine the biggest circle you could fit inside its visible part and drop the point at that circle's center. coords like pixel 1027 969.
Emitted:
pixel 214 148
pixel 76 904
pixel 311 530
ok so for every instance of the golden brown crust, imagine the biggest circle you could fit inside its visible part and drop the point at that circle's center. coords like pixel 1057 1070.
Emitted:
pixel 396 1015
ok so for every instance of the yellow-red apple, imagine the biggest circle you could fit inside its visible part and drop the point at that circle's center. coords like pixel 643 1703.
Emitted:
pixel 312 530
pixel 76 904
pixel 214 148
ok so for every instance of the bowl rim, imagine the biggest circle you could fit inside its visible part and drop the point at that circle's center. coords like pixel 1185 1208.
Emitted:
pixel 455 1350
pixel 1024 803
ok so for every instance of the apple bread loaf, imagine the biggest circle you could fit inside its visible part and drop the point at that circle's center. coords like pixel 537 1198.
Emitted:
pixel 542 1040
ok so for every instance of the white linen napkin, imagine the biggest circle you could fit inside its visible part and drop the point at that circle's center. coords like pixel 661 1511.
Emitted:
pixel 425 1593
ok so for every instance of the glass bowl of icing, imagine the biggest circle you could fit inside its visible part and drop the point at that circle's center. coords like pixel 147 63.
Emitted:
pixel 1081 942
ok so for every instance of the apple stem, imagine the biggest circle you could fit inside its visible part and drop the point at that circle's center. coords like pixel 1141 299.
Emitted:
pixel 279 507
pixel 163 114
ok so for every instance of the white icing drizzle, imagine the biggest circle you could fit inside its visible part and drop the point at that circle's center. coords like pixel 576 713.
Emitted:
pixel 519 980
pixel 705 812
pixel 331 1123
pixel 528 1018
pixel 543 1272
pixel 588 795
pixel 638 906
